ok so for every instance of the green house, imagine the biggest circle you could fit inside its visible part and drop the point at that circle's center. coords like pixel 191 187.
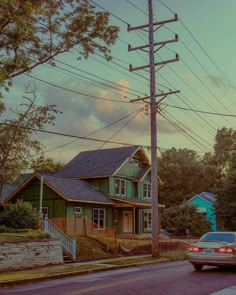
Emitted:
pixel 98 191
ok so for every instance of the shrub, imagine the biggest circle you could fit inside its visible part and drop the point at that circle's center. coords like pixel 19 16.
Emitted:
pixel 20 215
pixel 37 234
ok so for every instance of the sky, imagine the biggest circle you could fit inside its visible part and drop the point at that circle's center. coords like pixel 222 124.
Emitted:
pixel 205 75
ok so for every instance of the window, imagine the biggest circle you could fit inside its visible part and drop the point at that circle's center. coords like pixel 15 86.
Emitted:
pixel 120 187
pixel 147 220
pixel 147 190
pixel 133 161
pixel 115 216
pixel 98 218
pixel 77 210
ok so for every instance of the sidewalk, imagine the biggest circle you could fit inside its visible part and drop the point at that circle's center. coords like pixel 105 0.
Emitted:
pixel 72 269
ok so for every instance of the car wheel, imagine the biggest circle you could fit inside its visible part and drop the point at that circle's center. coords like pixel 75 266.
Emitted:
pixel 197 267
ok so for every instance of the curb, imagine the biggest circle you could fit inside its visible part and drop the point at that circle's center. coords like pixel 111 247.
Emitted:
pixel 76 273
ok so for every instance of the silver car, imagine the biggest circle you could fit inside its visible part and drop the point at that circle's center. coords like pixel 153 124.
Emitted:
pixel 213 248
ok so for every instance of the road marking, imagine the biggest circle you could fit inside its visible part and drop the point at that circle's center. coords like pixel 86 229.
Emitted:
pixel 121 282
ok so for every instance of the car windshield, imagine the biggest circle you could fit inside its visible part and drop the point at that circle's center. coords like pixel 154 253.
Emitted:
pixel 221 237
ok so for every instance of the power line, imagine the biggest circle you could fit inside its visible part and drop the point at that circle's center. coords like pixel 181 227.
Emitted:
pixel 200 111
pixel 86 72
pixel 109 12
pixel 71 135
pixel 201 47
pixel 77 92
pixel 205 142
pixel 181 130
pixel 122 127
pixel 98 130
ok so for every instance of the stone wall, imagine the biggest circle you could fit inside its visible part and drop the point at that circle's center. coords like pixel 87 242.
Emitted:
pixel 30 254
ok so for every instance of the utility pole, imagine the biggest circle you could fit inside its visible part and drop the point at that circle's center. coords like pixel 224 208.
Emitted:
pixel 150 48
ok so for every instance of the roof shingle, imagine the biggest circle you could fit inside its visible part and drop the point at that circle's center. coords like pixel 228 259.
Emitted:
pixel 97 163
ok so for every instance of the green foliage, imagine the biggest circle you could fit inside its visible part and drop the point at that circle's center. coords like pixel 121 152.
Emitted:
pixel 18 146
pixel 33 32
pixel 37 234
pixel 19 216
pixel 226 201
pixel 183 174
pixel 182 218
pixel 42 165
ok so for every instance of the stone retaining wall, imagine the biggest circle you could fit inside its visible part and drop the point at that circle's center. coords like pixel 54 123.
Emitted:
pixel 30 254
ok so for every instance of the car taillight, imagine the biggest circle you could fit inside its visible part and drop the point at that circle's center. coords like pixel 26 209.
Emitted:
pixel 224 250
pixel 195 249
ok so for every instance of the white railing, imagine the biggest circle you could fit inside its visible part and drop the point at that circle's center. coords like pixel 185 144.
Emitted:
pixel 54 231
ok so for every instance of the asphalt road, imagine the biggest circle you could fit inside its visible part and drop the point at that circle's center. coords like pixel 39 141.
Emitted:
pixel 170 278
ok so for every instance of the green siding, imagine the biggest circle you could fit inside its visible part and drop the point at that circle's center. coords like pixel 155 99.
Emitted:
pixel 31 193
pixel 100 183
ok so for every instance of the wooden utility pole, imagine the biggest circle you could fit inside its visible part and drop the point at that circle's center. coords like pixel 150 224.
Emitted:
pixel 153 110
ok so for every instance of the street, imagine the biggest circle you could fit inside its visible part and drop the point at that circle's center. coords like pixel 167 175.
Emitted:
pixel 174 278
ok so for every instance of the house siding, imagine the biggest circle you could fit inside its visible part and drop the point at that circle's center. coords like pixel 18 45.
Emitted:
pixel 31 193
pixel 210 211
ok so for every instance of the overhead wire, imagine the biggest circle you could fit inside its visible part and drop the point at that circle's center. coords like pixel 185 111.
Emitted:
pixel 181 130
pixel 121 128
pixel 70 135
pixel 94 132
pixel 195 134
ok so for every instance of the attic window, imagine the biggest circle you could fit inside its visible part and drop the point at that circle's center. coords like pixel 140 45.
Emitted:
pixel 134 161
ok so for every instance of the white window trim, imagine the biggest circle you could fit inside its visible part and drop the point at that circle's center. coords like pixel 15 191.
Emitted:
pixel 134 161
pixel 120 187
pixel 98 224
pixel 78 211
pixel 148 190
pixel 149 214
pixel 115 216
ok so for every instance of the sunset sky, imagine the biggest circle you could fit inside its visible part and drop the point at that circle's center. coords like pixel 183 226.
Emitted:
pixel 205 75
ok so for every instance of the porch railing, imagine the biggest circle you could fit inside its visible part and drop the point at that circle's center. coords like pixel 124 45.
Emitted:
pixel 67 243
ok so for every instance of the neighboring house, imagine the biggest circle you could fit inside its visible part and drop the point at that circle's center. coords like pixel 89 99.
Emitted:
pixel 109 187
pixel 205 203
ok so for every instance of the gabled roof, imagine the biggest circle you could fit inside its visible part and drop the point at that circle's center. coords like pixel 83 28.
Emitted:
pixel 206 196
pixel 70 189
pixel 99 163
pixel 7 190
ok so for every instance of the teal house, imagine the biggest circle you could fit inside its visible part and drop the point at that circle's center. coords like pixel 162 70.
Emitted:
pixel 100 191
pixel 205 203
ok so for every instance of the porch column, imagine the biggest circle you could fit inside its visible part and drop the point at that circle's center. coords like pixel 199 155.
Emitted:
pixel 134 224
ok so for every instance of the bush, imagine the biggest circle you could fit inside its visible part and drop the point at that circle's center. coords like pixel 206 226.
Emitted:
pixel 20 215
pixel 37 234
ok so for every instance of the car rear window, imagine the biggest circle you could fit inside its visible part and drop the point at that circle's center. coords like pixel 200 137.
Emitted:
pixel 222 237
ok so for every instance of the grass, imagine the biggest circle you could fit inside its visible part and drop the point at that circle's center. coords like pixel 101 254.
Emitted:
pixel 42 272
pixel 172 255
pixel 12 238
pixel 89 249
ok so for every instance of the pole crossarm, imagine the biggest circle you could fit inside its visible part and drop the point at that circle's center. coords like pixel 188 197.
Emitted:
pixel 131 69
pixel 155 44
pixel 154 24
pixel 157 95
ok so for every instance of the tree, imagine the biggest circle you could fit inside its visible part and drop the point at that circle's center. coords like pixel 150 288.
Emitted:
pixel 33 32
pixel 182 174
pixel 182 218
pixel 224 139
pixel 43 165
pixel 226 201
pixel 19 216
pixel 17 145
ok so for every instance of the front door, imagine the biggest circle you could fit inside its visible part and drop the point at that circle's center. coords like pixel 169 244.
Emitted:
pixel 127 222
